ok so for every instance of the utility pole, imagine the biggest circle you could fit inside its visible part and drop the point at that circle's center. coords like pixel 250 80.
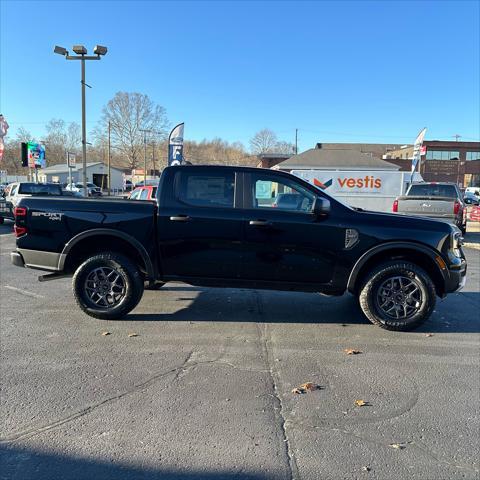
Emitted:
pixel 109 161
pixel 144 157
pixel 456 137
pixel 153 158
pixel 296 141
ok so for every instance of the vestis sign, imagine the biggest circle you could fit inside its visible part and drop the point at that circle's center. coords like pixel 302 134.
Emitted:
pixel 376 183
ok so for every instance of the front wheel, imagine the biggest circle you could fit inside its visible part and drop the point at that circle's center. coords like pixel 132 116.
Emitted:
pixel 397 296
pixel 107 286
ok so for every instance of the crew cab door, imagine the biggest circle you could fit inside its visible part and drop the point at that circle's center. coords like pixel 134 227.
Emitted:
pixel 199 224
pixel 284 240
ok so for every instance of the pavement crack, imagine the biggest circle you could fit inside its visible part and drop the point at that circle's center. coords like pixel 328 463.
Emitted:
pixel 276 396
pixel 30 432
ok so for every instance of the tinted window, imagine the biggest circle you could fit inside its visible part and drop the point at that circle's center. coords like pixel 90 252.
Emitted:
pixel 144 194
pixel 433 190
pixel 207 190
pixel 283 194
pixel 39 189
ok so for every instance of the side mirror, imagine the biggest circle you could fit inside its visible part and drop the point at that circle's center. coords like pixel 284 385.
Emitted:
pixel 321 206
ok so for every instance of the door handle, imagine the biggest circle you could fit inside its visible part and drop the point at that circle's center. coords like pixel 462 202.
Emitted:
pixel 180 218
pixel 260 223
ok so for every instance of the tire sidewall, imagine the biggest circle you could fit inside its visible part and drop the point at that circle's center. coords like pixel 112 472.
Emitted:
pixel 369 294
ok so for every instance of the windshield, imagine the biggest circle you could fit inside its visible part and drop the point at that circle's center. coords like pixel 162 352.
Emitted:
pixel 39 189
pixel 433 190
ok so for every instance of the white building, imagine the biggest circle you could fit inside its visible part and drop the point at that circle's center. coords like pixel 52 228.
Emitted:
pixel 97 173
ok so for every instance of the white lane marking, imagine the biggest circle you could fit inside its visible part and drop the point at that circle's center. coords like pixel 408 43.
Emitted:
pixel 23 292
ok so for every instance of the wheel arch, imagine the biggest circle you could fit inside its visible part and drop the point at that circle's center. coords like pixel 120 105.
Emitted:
pixel 421 255
pixel 91 241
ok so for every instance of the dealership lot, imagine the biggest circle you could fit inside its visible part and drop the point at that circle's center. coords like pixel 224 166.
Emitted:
pixel 203 390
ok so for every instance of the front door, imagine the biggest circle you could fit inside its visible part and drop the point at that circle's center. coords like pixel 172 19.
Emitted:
pixel 284 240
pixel 200 228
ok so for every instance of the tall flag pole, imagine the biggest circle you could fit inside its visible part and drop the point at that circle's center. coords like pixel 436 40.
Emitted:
pixel 418 150
pixel 175 145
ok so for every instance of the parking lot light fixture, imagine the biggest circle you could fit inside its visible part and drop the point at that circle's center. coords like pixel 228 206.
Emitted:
pixel 81 54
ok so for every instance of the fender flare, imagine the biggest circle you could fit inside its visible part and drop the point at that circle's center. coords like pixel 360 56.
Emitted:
pixel 419 248
pixel 114 233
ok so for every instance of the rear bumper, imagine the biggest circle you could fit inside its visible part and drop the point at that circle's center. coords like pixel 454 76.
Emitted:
pixel 49 261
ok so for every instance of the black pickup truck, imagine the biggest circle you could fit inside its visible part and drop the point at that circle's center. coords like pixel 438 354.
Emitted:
pixel 228 227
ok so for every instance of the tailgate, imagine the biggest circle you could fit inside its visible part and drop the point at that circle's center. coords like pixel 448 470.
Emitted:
pixel 442 207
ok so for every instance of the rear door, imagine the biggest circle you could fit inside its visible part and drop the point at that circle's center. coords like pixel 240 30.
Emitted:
pixel 200 224
pixel 284 241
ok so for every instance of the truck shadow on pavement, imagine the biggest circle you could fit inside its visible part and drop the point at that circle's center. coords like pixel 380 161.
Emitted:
pixel 254 306
pixel 28 464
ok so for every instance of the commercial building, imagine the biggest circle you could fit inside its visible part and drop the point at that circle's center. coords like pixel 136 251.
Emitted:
pixel 443 161
pixel 97 173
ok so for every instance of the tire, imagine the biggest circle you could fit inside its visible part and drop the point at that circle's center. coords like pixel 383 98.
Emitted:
pixel 95 281
pixel 407 307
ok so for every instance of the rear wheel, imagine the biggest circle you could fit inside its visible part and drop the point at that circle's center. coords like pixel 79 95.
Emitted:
pixel 397 296
pixel 107 286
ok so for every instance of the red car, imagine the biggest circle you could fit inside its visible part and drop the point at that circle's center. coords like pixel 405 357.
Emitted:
pixel 144 193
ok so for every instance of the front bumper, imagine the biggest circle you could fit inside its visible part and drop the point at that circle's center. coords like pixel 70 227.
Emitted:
pixel 457 278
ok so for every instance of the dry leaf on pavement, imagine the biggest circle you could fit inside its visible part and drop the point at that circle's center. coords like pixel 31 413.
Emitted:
pixel 306 387
pixel 361 403
pixel 398 446
pixel 106 333
pixel 133 334
pixel 429 334
pixel 352 351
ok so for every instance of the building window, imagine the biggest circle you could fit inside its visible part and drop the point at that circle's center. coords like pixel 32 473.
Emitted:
pixel 473 156
pixel 442 155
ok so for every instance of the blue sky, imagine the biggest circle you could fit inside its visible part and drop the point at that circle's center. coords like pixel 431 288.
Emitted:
pixel 339 71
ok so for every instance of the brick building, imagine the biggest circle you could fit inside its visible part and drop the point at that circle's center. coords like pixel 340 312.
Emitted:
pixel 444 161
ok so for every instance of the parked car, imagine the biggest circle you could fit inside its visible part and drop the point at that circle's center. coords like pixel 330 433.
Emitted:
pixel 472 197
pixel 143 193
pixel 442 201
pixel 93 190
pixel 151 183
pixel 208 228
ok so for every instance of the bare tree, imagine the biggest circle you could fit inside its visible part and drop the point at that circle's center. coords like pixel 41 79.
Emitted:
pixel 61 138
pixel 266 141
pixel 263 141
pixel 128 114
pixel 23 136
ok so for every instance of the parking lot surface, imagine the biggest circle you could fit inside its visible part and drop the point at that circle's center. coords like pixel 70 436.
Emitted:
pixel 197 383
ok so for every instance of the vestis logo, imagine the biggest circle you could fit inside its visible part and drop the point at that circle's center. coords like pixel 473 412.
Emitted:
pixel 367 182
pixel 323 186
pixel 351 182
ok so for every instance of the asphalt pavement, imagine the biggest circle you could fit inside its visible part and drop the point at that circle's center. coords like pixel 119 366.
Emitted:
pixel 196 383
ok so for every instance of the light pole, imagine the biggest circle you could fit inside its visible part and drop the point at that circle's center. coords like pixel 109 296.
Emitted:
pixel 81 54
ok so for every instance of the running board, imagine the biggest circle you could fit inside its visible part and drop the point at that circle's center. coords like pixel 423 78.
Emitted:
pixel 52 276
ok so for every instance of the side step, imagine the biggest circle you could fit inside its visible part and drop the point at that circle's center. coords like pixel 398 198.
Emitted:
pixel 52 276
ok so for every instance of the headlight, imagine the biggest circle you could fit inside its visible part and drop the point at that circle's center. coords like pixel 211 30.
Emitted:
pixel 456 243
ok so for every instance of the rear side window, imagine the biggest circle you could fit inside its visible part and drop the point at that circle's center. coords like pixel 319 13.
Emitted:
pixel 144 194
pixel 39 189
pixel 433 190
pixel 207 190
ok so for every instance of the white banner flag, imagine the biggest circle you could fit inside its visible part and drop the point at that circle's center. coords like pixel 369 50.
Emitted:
pixel 417 149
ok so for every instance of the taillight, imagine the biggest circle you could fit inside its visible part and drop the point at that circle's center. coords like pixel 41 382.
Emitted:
pixel 395 206
pixel 20 212
pixel 456 207
pixel 19 231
